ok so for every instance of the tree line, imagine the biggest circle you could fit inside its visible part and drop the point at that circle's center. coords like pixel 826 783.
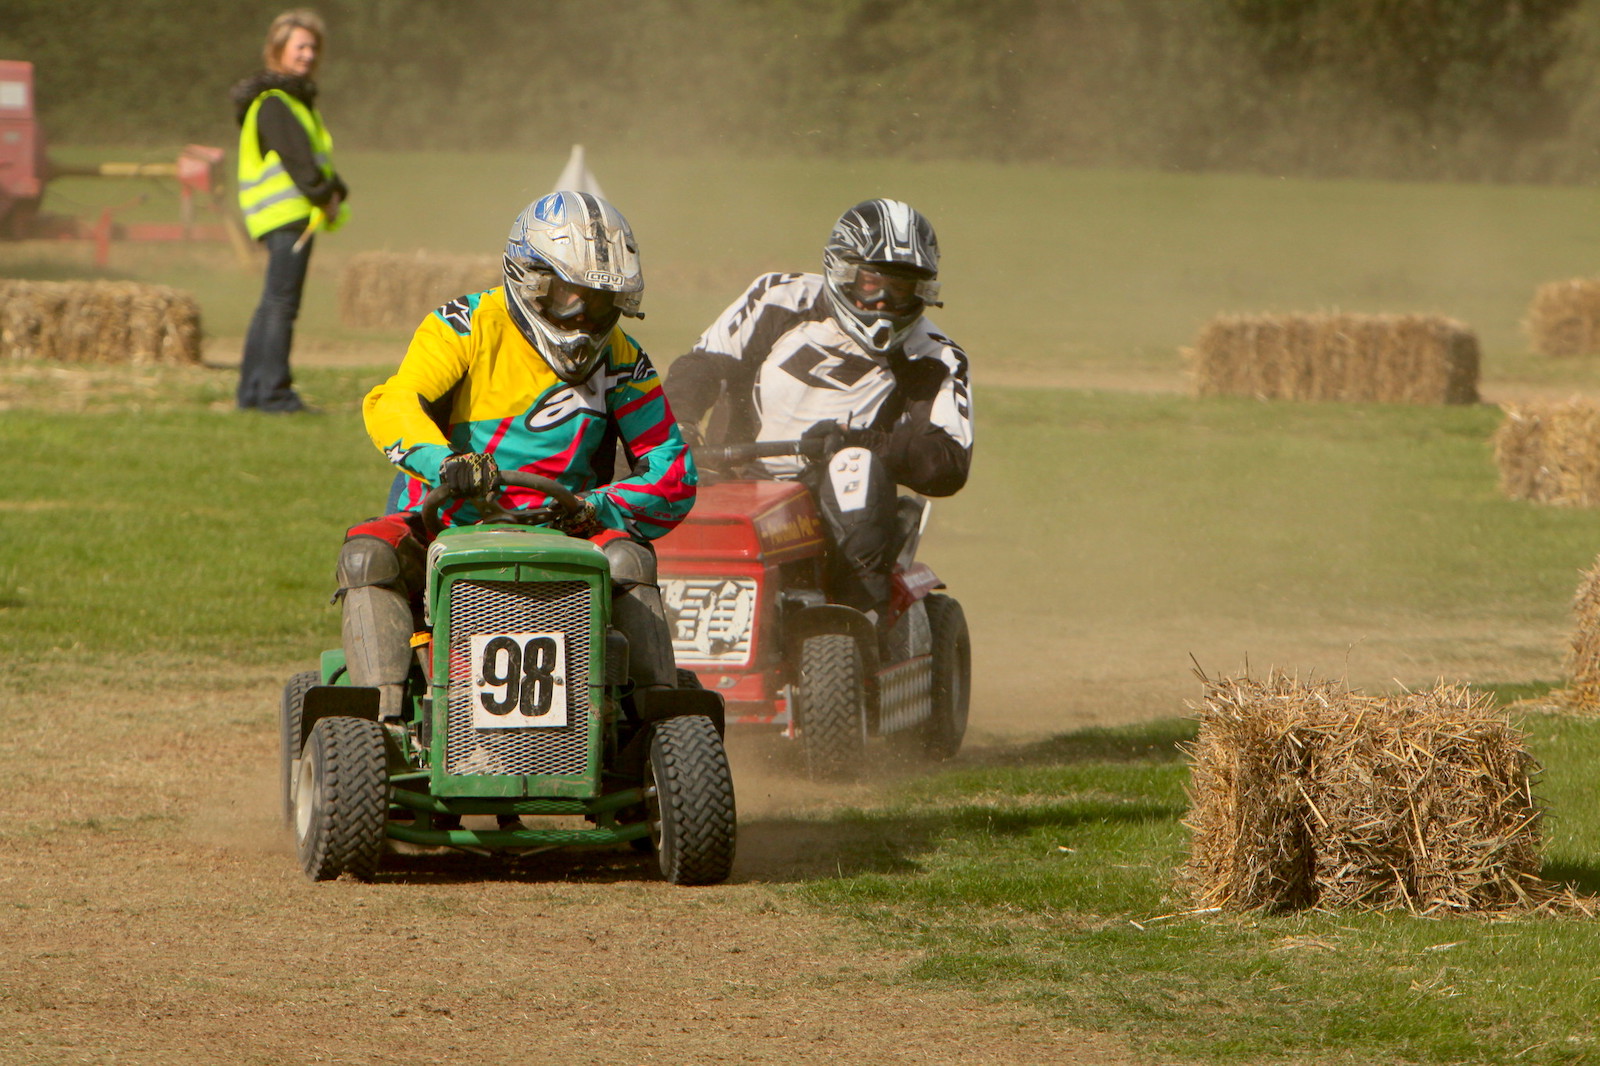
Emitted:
pixel 1492 90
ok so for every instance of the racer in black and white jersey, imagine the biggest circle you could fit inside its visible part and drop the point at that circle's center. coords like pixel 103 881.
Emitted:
pixel 848 353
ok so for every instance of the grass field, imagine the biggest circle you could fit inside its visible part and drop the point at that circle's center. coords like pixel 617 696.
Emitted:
pixel 1044 269
pixel 164 562
pixel 1046 875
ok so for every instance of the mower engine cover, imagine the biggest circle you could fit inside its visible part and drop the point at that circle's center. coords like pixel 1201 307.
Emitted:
pixel 519 618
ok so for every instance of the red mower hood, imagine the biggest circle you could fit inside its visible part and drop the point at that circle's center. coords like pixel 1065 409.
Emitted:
pixel 774 521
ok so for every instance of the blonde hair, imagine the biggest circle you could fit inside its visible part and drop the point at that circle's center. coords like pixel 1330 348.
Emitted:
pixel 301 18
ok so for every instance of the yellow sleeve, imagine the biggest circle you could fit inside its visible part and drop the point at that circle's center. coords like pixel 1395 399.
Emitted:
pixel 437 359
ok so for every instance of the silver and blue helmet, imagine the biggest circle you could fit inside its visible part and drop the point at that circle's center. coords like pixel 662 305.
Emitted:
pixel 880 271
pixel 572 269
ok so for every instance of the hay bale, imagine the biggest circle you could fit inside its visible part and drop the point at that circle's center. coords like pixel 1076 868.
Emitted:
pixel 98 322
pixel 395 290
pixel 1564 318
pixel 1310 794
pixel 1337 357
pixel 1250 844
pixel 1582 694
pixel 1550 452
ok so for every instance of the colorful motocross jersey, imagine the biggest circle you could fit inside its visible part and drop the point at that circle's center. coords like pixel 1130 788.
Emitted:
pixel 776 363
pixel 470 382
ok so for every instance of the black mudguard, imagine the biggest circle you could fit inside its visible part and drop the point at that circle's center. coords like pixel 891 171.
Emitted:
pixel 656 704
pixel 333 701
pixel 647 706
pixel 831 618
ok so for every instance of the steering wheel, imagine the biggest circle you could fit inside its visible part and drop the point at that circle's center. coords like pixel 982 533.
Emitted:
pixel 562 502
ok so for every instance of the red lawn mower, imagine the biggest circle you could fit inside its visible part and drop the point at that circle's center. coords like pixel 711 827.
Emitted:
pixel 742 578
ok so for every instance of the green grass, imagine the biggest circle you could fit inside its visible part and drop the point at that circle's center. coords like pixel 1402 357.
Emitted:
pixel 1044 268
pixel 193 525
pixel 1046 874
pixel 1275 508
pixel 173 529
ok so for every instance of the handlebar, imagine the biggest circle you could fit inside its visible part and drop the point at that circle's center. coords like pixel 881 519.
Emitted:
pixel 715 454
pixel 565 502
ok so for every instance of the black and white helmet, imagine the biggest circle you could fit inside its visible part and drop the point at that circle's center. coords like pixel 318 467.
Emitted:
pixel 880 270
pixel 572 269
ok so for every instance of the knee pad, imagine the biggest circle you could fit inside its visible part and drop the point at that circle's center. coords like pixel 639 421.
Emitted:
pixel 632 563
pixel 857 503
pixel 376 636
pixel 368 561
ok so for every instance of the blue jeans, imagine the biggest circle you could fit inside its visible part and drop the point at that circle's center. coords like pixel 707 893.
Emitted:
pixel 264 379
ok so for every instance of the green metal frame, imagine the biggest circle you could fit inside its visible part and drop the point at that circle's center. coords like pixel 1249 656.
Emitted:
pixel 519 554
pixel 514 554
pixel 603 811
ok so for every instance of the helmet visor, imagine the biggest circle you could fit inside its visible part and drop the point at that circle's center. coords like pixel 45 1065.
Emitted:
pixel 897 292
pixel 574 308
pixel 569 306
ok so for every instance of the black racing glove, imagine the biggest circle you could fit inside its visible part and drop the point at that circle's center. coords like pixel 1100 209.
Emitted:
pixel 823 439
pixel 833 437
pixel 691 435
pixel 873 440
pixel 470 475
pixel 580 523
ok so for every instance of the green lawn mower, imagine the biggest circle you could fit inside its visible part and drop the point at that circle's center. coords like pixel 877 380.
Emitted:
pixel 518 705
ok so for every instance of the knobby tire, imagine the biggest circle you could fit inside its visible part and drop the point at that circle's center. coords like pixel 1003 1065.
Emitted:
pixel 694 801
pixel 832 698
pixel 351 803
pixel 289 718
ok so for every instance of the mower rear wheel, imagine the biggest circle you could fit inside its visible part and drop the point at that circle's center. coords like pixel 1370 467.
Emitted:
pixel 832 711
pixel 289 718
pixel 689 799
pixel 341 799
pixel 952 678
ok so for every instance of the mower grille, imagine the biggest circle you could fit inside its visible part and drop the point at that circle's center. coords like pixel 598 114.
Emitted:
pixel 905 695
pixel 712 619
pixel 512 607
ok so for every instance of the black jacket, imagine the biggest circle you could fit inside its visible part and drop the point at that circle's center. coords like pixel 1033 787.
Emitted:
pixel 277 130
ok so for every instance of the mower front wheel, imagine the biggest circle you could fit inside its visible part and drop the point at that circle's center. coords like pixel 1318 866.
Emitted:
pixel 341 799
pixel 689 800
pixel 831 698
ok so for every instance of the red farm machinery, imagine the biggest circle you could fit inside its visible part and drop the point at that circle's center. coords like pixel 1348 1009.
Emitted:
pixel 26 170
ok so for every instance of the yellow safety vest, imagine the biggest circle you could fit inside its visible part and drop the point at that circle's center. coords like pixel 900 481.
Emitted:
pixel 268 196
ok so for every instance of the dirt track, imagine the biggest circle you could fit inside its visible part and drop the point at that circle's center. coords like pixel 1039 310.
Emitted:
pixel 156 915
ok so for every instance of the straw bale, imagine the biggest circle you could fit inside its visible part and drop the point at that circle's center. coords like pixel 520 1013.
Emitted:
pixel 1425 359
pixel 98 322
pixel 1550 452
pixel 1582 694
pixel 1564 318
pixel 1251 844
pixel 1311 794
pixel 395 290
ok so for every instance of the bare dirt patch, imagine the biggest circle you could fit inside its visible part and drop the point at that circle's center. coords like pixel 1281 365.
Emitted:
pixel 153 912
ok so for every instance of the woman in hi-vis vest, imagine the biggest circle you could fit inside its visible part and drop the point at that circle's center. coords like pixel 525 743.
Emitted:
pixel 288 190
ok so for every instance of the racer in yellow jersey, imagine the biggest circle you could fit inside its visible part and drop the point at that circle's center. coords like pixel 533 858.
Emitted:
pixel 536 376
